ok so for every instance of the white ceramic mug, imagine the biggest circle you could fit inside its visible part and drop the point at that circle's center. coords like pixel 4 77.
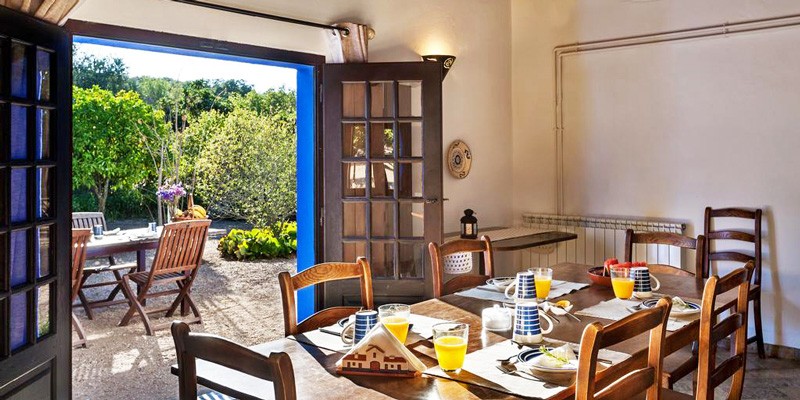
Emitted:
pixel 527 319
pixel 642 287
pixel 525 287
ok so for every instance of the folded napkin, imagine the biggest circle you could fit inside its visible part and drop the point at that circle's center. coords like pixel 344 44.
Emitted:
pixel 616 309
pixel 322 339
pixel 380 353
pixel 480 368
pixel 493 293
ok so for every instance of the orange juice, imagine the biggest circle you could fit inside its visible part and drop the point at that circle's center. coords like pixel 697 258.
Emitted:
pixel 623 287
pixel 397 325
pixel 450 351
pixel 542 286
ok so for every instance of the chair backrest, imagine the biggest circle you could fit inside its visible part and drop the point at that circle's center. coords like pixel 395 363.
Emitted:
pixel 637 379
pixel 453 252
pixel 668 239
pixel 80 237
pixel 713 235
pixel 88 220
pixel 277 367
pixel 180 248
pixel 709 373
pixel 320 273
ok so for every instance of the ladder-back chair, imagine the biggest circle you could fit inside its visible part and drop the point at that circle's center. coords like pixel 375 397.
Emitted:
pixel 456 257
pixel 709 373
pixel 277 367
pixel 87 220
pixel 733 235
pixel 177 260
pixel 638 379
pixel 321 273
pixel 79 239
pixel 669 239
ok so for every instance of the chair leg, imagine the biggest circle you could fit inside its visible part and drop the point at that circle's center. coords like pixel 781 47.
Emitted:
pixel 135 306
pixel 81 342
pixel 84 300
pixel 758 326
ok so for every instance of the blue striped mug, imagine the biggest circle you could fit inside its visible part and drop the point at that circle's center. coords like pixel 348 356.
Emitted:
pixel 353 332
pixel 527 323
pixel 642 287
pixel 525 287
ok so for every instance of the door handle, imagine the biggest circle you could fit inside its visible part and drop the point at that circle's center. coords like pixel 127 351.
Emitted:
pixel 431 201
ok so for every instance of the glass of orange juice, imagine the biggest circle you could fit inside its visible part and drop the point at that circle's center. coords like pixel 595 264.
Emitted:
pixel 622 282
pixel 450 344
pixel 395 318
pixel 542 278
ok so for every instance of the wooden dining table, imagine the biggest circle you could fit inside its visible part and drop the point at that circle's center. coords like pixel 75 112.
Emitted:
pixel 315 369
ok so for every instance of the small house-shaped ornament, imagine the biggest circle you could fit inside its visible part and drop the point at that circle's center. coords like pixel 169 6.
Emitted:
pixel 380 353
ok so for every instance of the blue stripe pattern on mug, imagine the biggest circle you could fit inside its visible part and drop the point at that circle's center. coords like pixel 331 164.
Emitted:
pixel 526 288
pixel 641 280
pixel 365 321
pixel 527 319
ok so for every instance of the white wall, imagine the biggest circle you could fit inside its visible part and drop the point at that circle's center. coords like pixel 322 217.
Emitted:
pixel 476 90
pixel 663 130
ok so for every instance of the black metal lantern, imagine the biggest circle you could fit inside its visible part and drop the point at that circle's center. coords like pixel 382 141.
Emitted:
pixel 469 225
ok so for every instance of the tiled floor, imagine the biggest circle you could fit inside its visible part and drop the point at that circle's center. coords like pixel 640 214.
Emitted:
pixel 771 378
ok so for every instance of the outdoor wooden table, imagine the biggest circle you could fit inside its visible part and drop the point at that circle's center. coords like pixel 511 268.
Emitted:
pixel 315 370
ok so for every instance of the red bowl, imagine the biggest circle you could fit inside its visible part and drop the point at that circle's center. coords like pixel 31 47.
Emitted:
pixel 597 278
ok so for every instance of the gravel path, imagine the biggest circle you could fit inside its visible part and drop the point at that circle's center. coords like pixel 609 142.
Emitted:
pixel 238 300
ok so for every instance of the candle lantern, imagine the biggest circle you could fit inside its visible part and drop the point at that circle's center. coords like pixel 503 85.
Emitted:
pixel 469 225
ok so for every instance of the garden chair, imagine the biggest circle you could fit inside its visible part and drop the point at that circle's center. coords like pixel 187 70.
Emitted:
pixel 456 256
pixel 318 274
pixel 277 367
pixel 86 220
pixel 79 239
pixel 177 260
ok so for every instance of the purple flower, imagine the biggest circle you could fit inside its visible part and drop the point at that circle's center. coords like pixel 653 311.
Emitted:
pixel 171 193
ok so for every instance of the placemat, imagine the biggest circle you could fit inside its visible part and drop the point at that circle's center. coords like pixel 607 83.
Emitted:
pixel 616 309
pixel 480 368
pixel 492 293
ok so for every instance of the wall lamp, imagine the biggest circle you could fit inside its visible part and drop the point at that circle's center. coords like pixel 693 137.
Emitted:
pixel 447 62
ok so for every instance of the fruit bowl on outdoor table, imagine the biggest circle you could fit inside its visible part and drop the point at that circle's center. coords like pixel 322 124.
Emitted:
pixel 194 212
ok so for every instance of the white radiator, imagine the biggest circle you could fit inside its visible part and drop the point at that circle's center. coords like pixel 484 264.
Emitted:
pixel 599 238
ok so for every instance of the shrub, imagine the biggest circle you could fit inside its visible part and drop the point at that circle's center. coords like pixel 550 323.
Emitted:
pixel 279 240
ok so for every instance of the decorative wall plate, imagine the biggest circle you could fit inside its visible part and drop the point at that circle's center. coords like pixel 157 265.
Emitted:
pixel 459 159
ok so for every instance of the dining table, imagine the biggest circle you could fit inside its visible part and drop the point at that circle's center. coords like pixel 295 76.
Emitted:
pixel 315 367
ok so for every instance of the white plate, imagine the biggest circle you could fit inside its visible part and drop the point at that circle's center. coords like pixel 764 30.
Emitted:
pixel 694 308
pixel 501 282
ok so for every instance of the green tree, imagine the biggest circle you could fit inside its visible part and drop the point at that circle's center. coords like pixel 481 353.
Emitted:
pixel 107 73
pixel 247 168
pixel 109 135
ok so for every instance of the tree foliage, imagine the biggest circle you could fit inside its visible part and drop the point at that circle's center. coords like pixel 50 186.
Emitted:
pixel 109 131
pixel 247 166
pixel 108 73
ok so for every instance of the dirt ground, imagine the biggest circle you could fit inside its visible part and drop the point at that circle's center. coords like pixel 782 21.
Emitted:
pixel 237 300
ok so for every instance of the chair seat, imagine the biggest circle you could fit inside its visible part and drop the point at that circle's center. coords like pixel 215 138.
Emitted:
pixel 141 277
pixel 93 269
pixel 212 395
pixel 667 394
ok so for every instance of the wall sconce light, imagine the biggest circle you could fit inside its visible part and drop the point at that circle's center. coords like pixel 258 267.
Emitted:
pixel 447 62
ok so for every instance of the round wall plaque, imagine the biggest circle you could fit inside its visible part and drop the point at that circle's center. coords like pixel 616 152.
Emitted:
pixel 459 159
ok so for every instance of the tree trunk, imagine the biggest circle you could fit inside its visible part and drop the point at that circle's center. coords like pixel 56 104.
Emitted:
pixel 101 193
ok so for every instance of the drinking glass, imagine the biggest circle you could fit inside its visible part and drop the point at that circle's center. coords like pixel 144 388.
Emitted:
pixel 450 344
pixel 543 278
pixel 622 282
pixel 395 318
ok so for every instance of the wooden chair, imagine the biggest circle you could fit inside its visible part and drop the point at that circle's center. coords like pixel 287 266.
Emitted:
pixel 459 252
pixel 86 220
pixel 638 379
pixel 709 373
pixel 79 239
pixel 320 273
pixel 277 367
pixel 669 239
pixel 177 260
pixel 735 235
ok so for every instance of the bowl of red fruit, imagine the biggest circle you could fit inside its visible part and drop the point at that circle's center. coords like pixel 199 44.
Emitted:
pixel 602 275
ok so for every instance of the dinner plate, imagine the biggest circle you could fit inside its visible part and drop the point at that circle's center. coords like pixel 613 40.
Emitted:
pixel 694 308
pixel 531 360
pixel 528 355
pixel 501 282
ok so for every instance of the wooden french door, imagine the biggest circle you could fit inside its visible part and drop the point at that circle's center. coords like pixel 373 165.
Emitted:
pixel 35 184
pixel 382 152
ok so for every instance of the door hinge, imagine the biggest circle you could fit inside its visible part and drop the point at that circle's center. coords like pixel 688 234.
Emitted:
pixel 322 216
pixel 320 93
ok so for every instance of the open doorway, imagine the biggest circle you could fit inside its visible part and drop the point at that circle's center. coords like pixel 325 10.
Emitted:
pixel 204 118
